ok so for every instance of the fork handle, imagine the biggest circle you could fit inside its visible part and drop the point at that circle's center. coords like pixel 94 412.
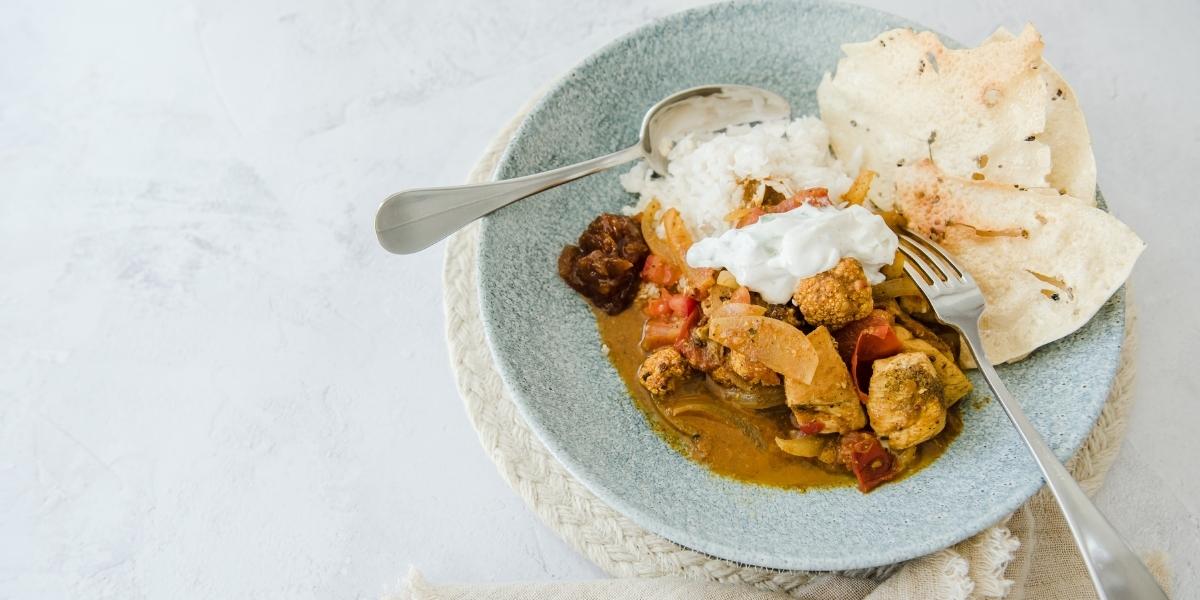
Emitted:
pixel 1116 572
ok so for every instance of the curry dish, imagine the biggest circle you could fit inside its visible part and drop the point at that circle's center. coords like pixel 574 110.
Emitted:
pixel 699 431
pixel 753 297
pixel 846 382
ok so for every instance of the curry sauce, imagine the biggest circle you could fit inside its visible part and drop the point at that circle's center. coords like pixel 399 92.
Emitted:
pixel 745 451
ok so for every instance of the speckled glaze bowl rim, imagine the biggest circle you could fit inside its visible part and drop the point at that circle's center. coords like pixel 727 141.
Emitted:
pixel 893 553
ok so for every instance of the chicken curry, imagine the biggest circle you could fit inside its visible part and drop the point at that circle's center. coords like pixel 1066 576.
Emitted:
pixel 738 442
pixel 847 382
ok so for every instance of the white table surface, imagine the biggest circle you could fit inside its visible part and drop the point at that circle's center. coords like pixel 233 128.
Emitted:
pixel 214 383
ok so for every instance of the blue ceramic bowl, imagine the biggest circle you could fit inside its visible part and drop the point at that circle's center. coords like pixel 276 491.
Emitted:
pixel 545 341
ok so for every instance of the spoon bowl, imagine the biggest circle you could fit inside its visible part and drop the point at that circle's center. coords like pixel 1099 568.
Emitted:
pixel 413 220
pixel 707 108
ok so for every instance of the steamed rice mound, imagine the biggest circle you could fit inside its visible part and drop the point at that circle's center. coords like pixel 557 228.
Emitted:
pixel 706 172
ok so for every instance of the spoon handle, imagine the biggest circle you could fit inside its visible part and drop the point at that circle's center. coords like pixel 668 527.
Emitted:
pixel 413 220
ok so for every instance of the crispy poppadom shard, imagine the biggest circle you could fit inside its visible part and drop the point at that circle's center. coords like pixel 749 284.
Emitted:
pixel 1046 263
pixel 977 113
pixel 1073 168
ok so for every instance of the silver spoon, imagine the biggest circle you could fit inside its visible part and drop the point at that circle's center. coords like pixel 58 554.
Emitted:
pixel 413 220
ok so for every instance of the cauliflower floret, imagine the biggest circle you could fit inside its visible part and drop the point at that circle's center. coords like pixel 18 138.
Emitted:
pixel 905 402
pixel 661 371
pixel 835 297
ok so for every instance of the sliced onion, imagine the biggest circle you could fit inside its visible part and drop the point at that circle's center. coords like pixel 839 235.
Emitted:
pixel 756 398
pixel 722 414
pixel 687 434
pixel 656 244
pixel 858 190
pixel 678 235
pixel 781 347
pixel 680 240
pixel 808 446
pixel 738 309
pixel 894 288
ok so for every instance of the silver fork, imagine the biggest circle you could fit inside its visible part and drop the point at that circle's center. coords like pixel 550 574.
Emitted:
pixel 1116 571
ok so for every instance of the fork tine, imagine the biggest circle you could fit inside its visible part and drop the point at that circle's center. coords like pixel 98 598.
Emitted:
pixel 920 278
pixel 914 252
pixel 916 267
pixel 935 253
pixel 945 255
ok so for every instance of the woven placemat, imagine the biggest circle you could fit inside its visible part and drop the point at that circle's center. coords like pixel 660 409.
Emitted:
pixel 619 546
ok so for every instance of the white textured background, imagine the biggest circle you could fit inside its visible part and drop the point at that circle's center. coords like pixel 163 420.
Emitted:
pixel 214 384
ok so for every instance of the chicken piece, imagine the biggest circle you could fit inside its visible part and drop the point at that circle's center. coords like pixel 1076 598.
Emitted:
pixel 905 400
pixel 662 371
pixel 835 297
pixel 751 370
pixel 832 418
pixel 829 403
pixel 955 384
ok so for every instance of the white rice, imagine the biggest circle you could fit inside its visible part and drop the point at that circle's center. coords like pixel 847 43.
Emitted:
pixel 704 170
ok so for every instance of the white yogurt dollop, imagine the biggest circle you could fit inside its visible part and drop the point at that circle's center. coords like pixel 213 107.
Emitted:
pixel 774 254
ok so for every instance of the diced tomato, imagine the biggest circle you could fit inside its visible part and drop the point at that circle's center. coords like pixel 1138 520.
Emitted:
pixel 657 333
pixel 741 295
pixel 672 318
pixel 871 463
pixel 658 271
pixel 690 317
pixel 679 305
pixel 786 205
pixel 864 341
pixel 873 344
pixel 818 196
pixel 682 305
pixel 658 307
pixel 749 218
pixel 847 336
pixel 688 323
pixel 812 427
pixel 667 332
